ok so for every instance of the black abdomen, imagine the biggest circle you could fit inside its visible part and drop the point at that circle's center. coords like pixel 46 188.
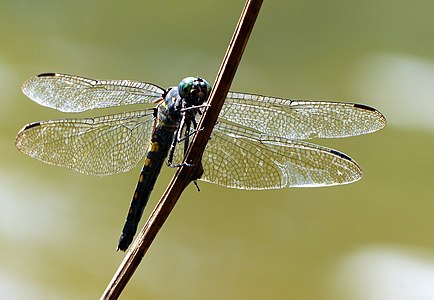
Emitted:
pixel 158 149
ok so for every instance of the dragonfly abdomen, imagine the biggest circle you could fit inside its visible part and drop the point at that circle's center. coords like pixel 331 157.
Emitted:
pixel 157 152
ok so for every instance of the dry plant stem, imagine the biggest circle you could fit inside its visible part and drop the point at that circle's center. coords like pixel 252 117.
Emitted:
pixel 185 175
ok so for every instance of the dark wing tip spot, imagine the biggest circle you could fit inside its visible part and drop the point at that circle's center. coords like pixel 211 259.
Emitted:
pixel 47 75
pixel 340 154
pixel 31 125
pixel 361 106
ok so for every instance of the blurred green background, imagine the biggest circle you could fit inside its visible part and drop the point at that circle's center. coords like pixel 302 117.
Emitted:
pixel 369 240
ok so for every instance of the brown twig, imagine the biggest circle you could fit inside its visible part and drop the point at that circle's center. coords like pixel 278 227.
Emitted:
pixel 185 175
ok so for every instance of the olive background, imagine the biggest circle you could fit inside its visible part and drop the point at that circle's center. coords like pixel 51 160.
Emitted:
pixel 370 239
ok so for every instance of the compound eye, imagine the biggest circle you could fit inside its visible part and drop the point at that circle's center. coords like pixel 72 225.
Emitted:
pixel 185 86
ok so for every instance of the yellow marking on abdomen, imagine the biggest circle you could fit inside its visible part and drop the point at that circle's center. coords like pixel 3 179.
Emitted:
pixel 146 163
pixel 154 147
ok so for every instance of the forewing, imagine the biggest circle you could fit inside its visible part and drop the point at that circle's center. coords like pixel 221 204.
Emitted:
pixel 298 119
pixel 97 146
pixel 244 159
pixel 71 93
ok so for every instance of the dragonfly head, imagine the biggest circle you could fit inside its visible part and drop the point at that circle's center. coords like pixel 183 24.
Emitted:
pixel 195 90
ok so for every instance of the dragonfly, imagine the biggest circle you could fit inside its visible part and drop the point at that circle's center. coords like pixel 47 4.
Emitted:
pixel 258 142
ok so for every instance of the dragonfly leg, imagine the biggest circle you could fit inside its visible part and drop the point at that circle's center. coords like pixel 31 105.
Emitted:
pixel 182 134
pixel 189 134
pixel 205 105
pixel 172 149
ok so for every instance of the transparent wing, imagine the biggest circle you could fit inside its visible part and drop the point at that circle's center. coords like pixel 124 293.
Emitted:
pixel 297 119
pixel 97 146
pixel 244 159
pixel 70 93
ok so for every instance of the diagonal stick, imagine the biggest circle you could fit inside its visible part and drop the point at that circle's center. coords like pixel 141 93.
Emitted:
pixel 185 175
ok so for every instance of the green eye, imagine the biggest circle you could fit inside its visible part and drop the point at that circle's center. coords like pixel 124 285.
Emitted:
pixel 195 89
pixel 185 86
